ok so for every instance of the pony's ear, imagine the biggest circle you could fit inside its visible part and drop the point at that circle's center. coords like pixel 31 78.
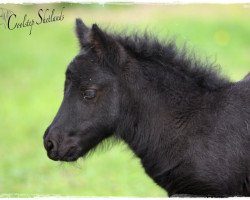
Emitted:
pixel 101 42
pixel 93 37
pixel 81 32
pixel 106 46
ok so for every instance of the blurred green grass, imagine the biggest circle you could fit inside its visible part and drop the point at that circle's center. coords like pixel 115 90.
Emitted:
pixel 32 74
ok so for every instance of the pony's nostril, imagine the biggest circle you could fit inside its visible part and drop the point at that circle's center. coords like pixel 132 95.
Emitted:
pixel 50 145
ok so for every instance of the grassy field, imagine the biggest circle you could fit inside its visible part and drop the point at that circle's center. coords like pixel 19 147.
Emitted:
pixel 32 74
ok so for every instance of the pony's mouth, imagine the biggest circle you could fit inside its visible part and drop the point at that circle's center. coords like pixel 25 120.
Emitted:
pixel 70 155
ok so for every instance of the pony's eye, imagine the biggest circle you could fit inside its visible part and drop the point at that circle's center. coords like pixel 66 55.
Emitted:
pixel 89 94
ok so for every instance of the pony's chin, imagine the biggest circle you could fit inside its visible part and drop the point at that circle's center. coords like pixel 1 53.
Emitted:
pixel 68 157
pixel 72 157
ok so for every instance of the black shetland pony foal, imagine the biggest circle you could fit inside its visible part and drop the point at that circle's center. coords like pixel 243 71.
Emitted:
pixel 189 127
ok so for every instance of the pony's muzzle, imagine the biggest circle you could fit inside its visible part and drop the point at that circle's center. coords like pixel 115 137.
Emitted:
pixel 61 146
pixel 51 144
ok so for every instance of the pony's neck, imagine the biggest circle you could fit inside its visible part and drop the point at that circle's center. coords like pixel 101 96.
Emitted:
pixel 163 107
pixel 169 96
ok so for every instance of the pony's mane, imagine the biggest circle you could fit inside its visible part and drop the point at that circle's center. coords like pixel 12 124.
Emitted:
pixel 165 53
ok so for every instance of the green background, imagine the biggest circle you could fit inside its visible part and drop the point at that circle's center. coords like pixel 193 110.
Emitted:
pixel 31 89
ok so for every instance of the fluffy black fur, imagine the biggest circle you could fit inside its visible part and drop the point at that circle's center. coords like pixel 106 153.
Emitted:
pixel 189 126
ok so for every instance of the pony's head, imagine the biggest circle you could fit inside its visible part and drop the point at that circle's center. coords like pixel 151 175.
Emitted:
pixel 91 104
